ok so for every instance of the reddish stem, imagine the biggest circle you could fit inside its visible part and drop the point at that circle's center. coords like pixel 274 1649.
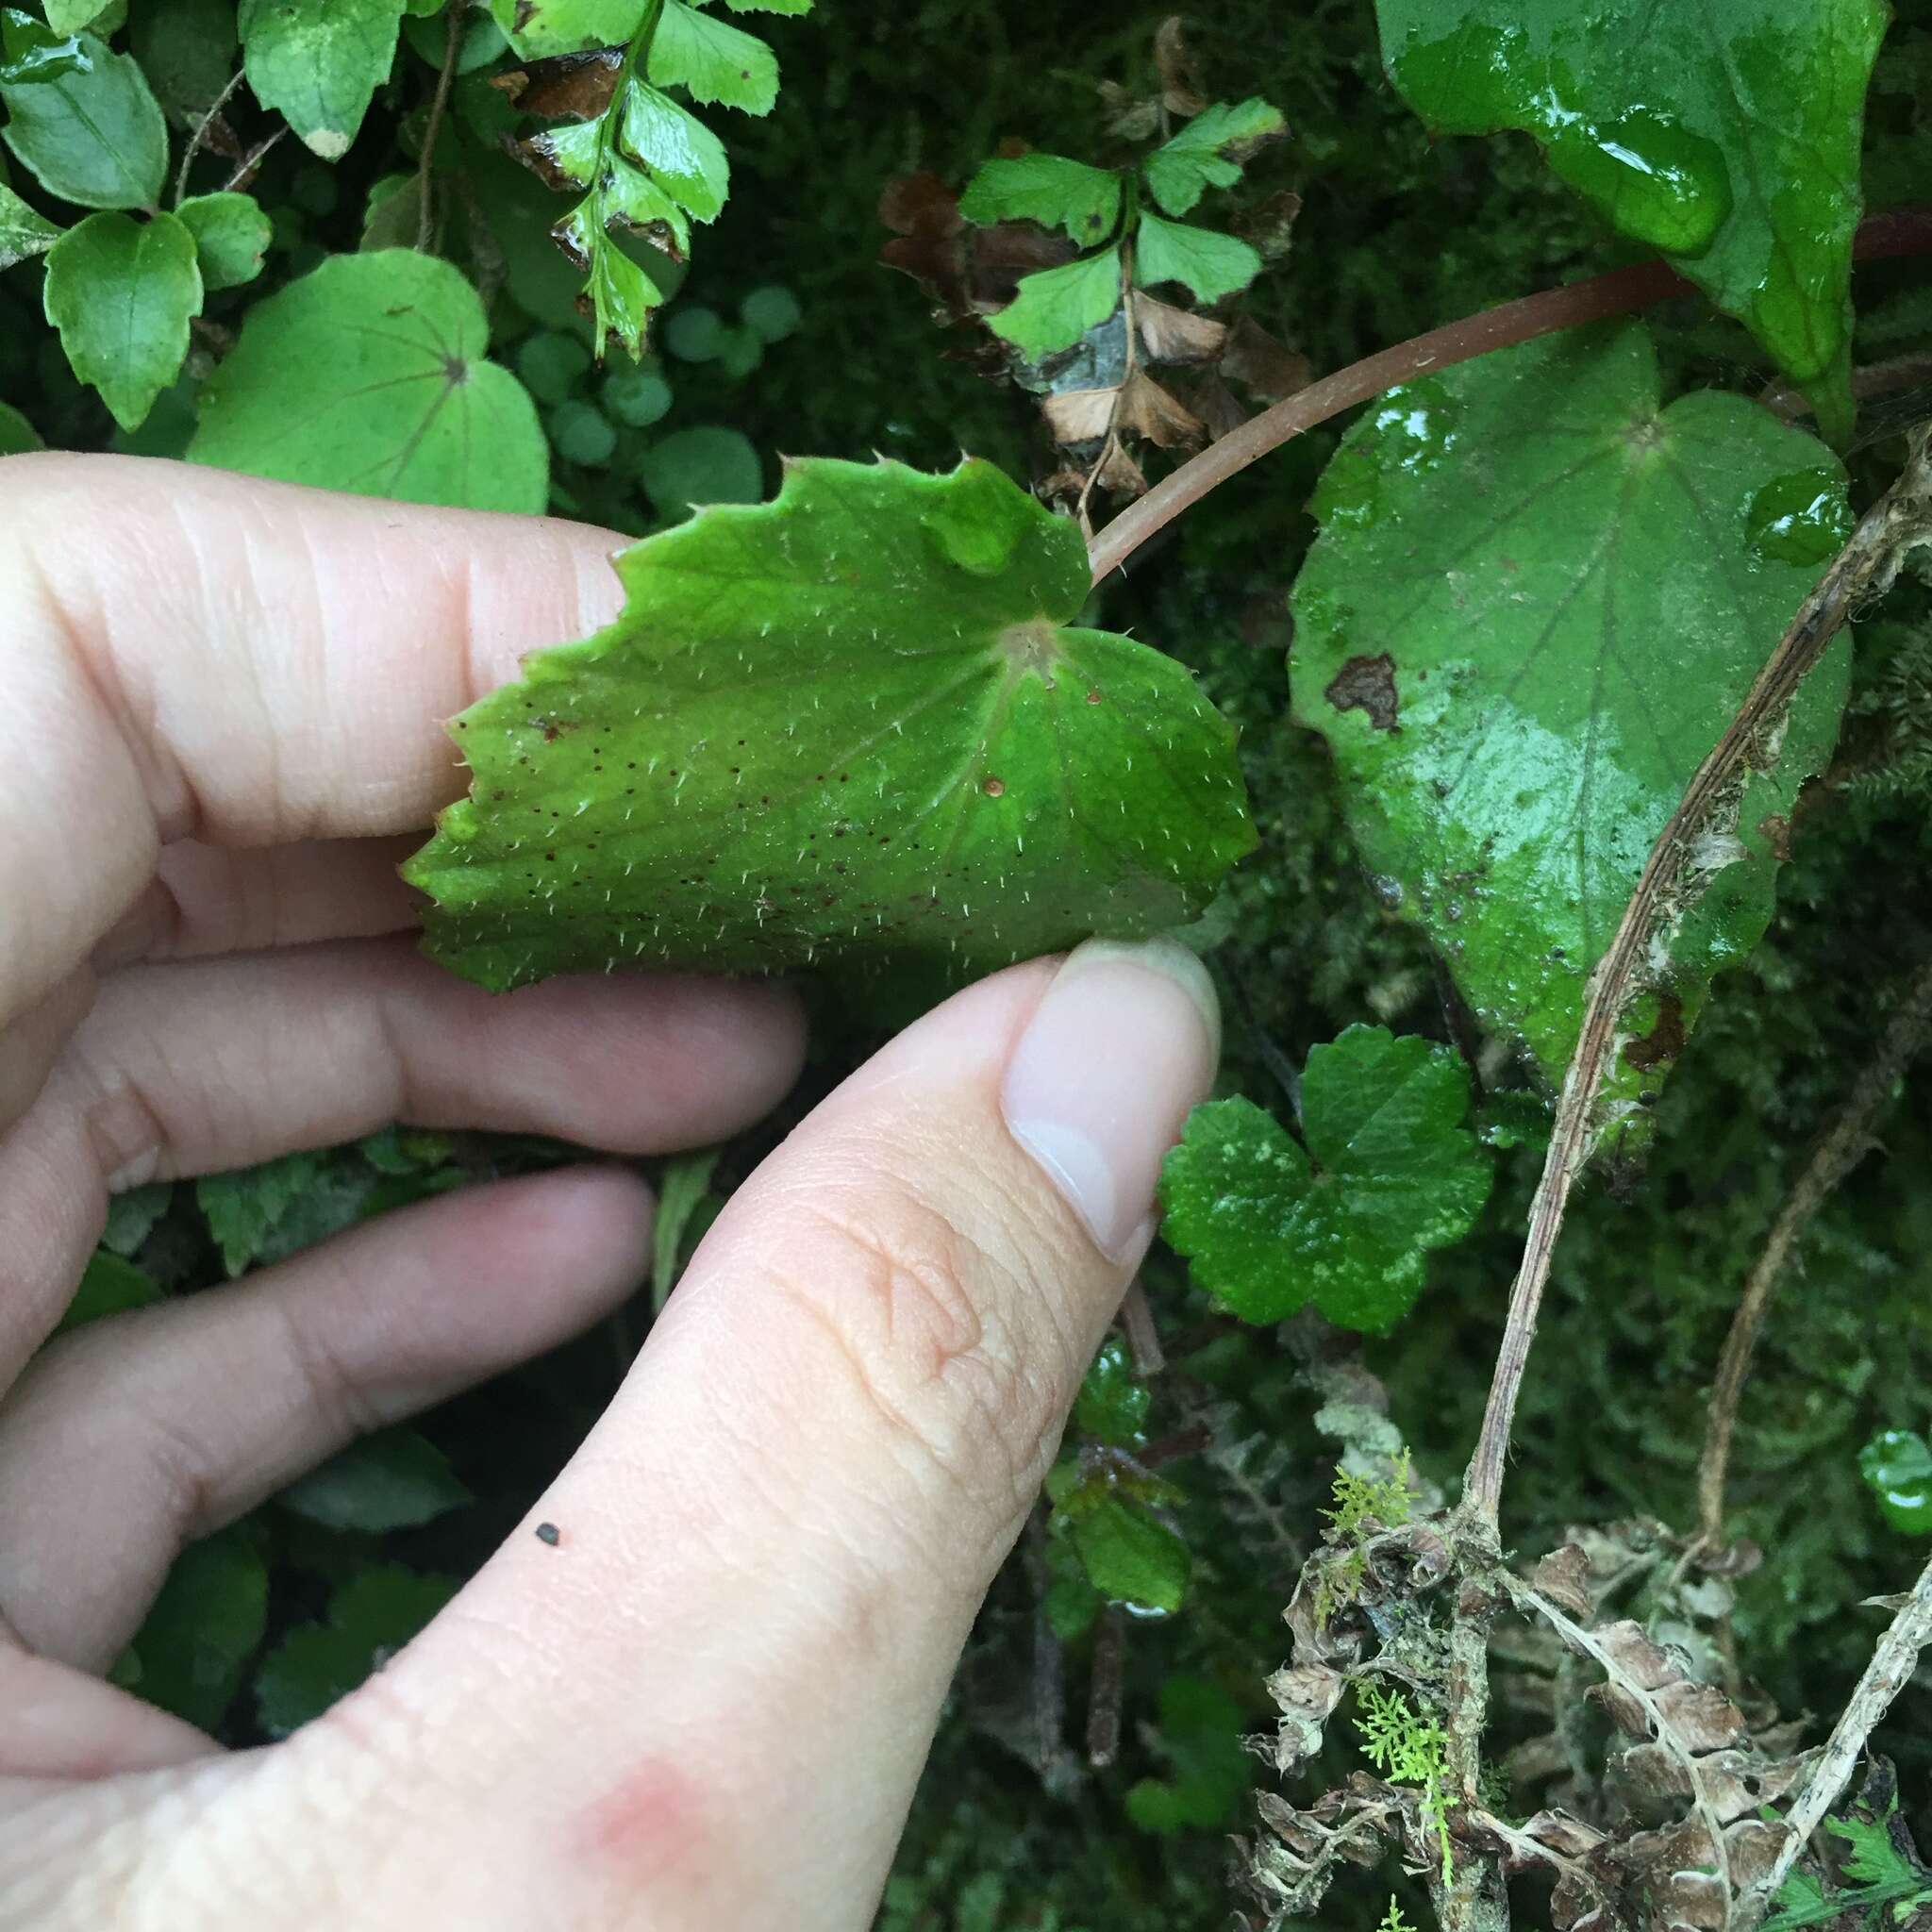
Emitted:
pixel 1906 231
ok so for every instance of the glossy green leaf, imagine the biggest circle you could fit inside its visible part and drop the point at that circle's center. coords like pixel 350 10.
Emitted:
pixel 790 6
pixel 231 237
pixel 193 1646
pixel 244 1209
pixel 318 63
pixel 94 136
pixel 1054 308
pixel 24 232
pixel 1047 189
pixel 109 1287
pixel 1208 265
pixel 678 152
pixel 31 50
pixel 370 1618
pixel 121 293
pixel 847 722
pixel 369 375
pixel 1396 1171
pixel 1184 167
pixel 539 28
pixel 1129 1555
pixel 1897 1465
pixel 1725 133
pixel 393 1480
pixel 1114 1400
pixel 711 60
pixel 1200 1734
pixel 17 435
pixel 132 1215
pixel 1537 601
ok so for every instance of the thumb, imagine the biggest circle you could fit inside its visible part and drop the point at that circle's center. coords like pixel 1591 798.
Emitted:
pixel 706 1702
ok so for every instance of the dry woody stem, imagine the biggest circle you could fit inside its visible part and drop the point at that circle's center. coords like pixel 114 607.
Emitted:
pixel 1886 1675
pixel 1840 1149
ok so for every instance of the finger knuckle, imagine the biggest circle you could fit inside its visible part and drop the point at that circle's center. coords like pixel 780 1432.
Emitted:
pixel 939 1323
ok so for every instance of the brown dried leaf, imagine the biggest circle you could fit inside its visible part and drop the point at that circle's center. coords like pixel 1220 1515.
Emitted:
pixel 1080 415
pixel 1305 1695
pixel 1177 335
pixel 1268 227
pixel 1148 411
pixel 1174 60
pixel 1120 475
pixel 1216 405
pixel 568 87
pixel 1264 367
pixel 1563 1576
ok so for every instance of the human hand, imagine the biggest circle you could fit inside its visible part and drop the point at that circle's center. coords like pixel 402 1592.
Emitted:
pixel 706 1706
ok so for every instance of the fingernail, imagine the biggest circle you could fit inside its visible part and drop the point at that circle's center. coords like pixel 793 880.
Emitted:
pixel 1124 1042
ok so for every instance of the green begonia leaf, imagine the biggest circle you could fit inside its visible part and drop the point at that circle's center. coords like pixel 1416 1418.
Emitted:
pixel 318 63
pixel 792 6
pixel 231 237
pixel 1396 1171
pixel 17 435
pixel 846 722
pixel 1183 167
pixel 370 1618
pixel 1054 308
pixel 1208 265
pixel 94 136
pixel 1047 189
pixel 1537 602
pixel 1725 133
pixel 393 1480
pixel 539 28
pixel 369 375
pixel 121 293
pixel 109 1287
pixel 1897 1464
pixel 711 60
pixel 1129 1555
pixel 1114 1400
pixel 24 232
pixel 194 1644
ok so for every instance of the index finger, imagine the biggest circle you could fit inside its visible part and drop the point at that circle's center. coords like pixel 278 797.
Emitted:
pixel 194 654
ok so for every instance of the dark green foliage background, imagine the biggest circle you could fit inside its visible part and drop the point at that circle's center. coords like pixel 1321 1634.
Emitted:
pixel 1396 235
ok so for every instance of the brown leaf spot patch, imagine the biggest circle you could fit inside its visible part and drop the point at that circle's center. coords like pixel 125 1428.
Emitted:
pixel 1664 1041
pixel 1367 684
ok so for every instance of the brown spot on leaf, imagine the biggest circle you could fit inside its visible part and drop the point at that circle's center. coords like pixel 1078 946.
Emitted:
pixel 993 787
pixel 1775 830
pixel 1367 684
pixel 1664 1041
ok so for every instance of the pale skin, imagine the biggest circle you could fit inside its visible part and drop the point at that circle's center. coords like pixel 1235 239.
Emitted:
pixel 704 1709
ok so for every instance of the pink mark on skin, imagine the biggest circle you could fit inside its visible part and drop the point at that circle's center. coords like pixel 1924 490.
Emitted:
pixel 651 1824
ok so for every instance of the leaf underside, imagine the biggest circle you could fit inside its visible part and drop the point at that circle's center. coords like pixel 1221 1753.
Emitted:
pixel 846 722
pixel 1537 602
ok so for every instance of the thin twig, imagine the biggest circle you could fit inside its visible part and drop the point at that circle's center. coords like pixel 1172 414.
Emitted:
pixel 1143 1337
pixel 200 134
pixel 245 168
pixel 1864 568
pixel 439 103
pixel 1844 1144
pixel 1892 1666
pixel 1907 231
pixel 1105 1688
